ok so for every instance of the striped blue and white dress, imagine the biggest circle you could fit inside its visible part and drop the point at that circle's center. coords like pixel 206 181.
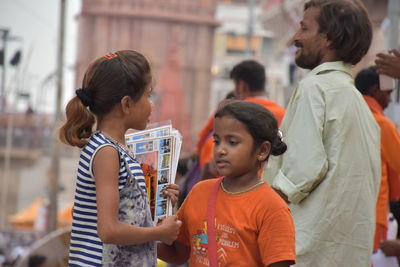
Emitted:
pixel 86 248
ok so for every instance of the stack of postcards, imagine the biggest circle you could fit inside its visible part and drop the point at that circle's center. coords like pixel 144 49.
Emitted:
pixel 157 149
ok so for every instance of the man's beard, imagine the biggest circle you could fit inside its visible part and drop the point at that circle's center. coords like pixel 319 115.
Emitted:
pixel 308 61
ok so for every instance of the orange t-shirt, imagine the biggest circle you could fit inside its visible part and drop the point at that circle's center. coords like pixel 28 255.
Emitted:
pixel 277 110
pixel 390 155
pixel 252 229
pixel 205 146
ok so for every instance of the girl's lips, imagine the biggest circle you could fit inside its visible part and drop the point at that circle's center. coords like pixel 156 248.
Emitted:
pixel 221 163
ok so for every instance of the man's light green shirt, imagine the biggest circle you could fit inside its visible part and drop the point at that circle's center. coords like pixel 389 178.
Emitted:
pixel 331 170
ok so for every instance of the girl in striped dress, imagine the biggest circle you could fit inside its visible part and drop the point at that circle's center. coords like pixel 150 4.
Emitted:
pixel 112 224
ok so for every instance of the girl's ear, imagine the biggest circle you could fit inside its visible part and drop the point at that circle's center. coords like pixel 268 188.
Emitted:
pixel 126 104
pixel 263 151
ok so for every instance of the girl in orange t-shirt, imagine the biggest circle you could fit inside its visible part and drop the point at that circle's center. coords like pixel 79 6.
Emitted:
pixel 251 225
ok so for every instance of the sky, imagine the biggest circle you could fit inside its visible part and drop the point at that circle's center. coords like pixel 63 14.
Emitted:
pixel 36 24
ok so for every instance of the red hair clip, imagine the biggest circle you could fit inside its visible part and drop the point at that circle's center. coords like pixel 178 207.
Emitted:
pixel 111 55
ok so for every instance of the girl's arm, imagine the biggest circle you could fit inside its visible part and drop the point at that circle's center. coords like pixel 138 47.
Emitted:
pixel 177 253
pixel 109 228
pixel 281 264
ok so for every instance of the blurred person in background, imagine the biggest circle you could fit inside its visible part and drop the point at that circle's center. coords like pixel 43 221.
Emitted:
pixel 367 82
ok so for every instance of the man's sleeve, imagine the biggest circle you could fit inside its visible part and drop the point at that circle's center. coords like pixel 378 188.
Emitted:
pixel 304 164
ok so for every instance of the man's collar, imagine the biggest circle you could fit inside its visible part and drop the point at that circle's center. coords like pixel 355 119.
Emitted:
pixel 328 66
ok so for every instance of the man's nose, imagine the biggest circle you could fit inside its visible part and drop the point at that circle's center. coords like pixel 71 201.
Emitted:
pixel 295 37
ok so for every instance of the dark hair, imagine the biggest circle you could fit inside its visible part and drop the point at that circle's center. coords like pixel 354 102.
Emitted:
pixel 366 79
pixel 107 80
pixel 259 121
pixel 347 25
pixel 36 260
pixel 250 72
pixel 231 95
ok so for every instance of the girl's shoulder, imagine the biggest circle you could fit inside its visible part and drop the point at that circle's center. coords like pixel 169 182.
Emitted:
pixel 95 144
pixel 204 186
pixel 267 196
pixel 206 183
pixel 97 140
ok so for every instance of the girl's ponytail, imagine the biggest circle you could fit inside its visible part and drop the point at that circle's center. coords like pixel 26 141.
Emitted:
pixel 278 147
pixel 79 125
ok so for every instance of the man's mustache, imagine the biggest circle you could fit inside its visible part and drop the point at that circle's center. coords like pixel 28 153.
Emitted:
pixel 298 44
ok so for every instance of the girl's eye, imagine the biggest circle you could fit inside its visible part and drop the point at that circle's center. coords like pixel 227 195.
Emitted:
pixel 152 96
pixel 233 143
pixel 216 141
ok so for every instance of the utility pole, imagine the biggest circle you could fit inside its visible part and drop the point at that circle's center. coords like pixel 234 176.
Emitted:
pixel 3 72
pixel 53 183
pixel 250 26
pixel 5 181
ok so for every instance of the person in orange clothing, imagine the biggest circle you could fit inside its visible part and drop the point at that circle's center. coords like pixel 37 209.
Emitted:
pixel 249 79
pixel 367 82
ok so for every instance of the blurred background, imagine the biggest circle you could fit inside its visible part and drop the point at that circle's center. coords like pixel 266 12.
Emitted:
pixel 45 47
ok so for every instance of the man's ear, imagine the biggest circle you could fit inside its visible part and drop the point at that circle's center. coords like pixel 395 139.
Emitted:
pixel 373 90
pixel 242 90
pixel 327 44
pixel 126 104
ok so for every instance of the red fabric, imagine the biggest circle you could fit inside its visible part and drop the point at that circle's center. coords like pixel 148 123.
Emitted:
pixel 380 234
pixel 394 185
pixel 277 110
pixel 204 133
pixel 212 240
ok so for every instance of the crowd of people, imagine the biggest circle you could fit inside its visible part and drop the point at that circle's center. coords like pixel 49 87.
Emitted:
pixel 308 185
pixel 14 245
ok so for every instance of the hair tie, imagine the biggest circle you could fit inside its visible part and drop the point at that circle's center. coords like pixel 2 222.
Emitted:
pixel 111 55
pixel 280 135
pixel 85 96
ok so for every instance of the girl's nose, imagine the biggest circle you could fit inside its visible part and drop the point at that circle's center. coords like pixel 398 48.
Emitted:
pixel 221 150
